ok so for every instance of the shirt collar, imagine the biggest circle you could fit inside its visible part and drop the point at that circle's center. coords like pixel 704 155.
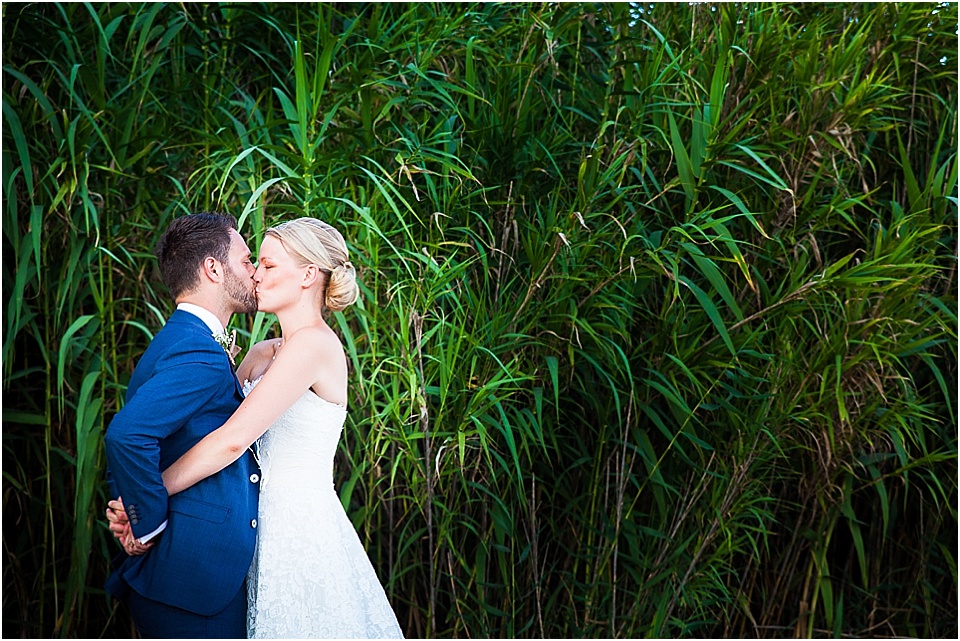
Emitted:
pixel 208 317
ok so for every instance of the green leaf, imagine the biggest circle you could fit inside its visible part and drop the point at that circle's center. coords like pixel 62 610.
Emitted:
pixel 712 312
pixel 680 156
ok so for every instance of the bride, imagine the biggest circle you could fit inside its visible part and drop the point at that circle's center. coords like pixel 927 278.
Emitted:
pixel 310 577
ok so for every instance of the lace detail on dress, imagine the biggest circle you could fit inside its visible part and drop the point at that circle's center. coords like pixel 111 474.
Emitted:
pixel 310 577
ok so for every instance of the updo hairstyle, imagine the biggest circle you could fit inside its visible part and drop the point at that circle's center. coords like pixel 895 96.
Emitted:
pixel 314 242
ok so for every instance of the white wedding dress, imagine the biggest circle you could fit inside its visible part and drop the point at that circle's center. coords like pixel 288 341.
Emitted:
pixel 310 577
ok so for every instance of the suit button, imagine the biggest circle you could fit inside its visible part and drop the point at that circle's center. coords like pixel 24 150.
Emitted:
pixel 253 523
pixel 254 478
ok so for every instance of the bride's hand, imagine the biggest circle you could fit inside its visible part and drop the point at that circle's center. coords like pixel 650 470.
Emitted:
pixel 132 547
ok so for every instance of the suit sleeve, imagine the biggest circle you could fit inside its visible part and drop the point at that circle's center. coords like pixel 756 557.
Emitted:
pixel 161 406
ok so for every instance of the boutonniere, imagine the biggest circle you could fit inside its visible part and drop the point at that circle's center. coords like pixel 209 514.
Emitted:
pixel 229 344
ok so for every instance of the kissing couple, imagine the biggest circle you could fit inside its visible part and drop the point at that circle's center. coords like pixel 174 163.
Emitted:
pixel 221 542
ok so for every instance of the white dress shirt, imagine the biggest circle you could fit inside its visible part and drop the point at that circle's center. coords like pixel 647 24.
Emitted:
pixel 204 314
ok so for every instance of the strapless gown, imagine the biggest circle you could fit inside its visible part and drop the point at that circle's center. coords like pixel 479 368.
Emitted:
pixel 310 576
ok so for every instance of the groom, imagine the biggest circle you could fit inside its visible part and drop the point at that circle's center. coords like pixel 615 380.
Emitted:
pixel 192 583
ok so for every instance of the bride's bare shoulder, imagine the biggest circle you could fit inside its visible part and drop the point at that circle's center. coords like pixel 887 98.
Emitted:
pixel 257 360
pixel 320 340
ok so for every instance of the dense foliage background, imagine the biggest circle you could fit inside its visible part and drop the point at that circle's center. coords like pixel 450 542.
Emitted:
pixel 658 334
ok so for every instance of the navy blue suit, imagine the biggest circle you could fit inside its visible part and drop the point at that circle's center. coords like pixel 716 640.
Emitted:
pixel 182 389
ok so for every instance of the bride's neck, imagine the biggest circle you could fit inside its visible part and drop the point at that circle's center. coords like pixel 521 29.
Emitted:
pixel 292 320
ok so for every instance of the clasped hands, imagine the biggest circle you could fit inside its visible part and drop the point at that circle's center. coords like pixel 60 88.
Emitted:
pixel 120 526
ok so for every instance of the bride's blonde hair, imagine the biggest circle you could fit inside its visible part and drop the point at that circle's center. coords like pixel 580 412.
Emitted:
pixel 314 242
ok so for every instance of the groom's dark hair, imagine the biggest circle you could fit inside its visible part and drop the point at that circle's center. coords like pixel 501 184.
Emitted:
pixel 187 242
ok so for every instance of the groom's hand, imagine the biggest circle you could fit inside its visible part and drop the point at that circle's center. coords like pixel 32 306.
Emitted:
pixel 120 527
pixel 117 516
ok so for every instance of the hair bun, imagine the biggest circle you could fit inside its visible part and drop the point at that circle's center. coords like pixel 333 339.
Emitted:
pixel 342 289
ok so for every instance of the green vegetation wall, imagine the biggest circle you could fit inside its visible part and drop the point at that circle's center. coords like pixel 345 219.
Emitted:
pixel 658 327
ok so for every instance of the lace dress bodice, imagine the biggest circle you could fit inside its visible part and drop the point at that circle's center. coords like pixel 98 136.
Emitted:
pixel 299 448
pixel 310 577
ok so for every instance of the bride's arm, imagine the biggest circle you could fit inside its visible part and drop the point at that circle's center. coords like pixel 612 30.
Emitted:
pixel 296 368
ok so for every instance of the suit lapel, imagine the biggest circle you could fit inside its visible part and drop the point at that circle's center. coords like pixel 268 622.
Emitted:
pixel 180 316
pixel 238 385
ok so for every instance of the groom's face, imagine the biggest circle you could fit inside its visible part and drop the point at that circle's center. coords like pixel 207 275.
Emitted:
pixel 238 282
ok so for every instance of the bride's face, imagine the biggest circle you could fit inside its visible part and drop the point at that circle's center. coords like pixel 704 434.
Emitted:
pixel 278 277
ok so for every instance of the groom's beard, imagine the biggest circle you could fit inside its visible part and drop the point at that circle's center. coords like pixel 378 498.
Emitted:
pixel 245 301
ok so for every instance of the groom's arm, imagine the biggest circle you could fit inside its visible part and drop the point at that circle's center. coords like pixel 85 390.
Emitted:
pixel 160 407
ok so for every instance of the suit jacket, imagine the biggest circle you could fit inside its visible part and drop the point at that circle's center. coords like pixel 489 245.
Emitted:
pixel 182 389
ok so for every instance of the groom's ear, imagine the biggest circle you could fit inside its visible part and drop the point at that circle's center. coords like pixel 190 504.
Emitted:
pixel 211 269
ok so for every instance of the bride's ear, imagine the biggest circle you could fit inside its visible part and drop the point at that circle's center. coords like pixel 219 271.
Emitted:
pixel 311 275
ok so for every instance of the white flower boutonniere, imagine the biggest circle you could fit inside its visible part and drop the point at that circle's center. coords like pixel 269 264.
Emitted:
pixel 229 344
